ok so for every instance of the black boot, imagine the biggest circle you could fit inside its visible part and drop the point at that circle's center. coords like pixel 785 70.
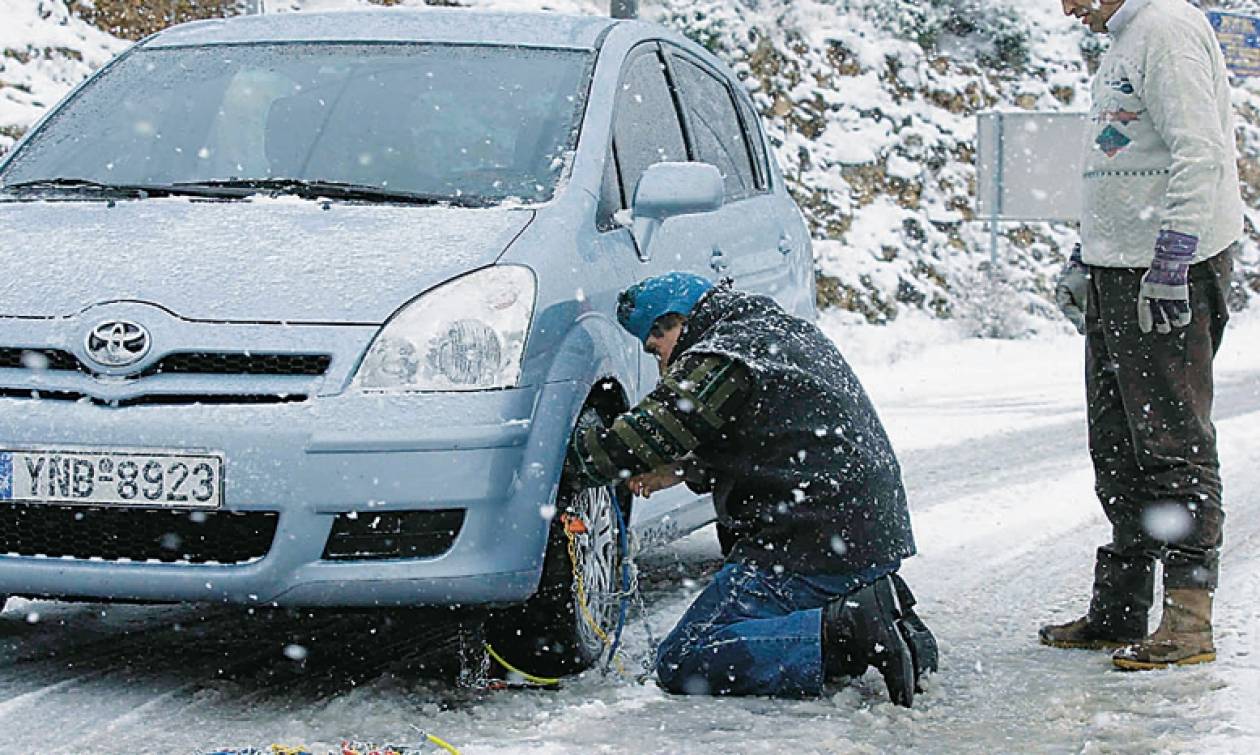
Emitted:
pixel 860 630
pixel 918 637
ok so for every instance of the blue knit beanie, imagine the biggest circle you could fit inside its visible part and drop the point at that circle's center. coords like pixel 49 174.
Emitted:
pixel 641 305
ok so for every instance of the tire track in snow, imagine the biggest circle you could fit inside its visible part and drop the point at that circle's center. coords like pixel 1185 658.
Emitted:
pixel 348 655
pixel 126 684
pixel 999 685
pixel 29 679
pixel 934 475
pixel 33 696
pixel 148 675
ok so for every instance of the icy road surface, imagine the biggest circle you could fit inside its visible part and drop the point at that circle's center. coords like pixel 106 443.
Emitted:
pixel 992 439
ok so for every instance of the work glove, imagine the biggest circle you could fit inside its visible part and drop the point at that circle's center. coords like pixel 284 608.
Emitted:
pixel 1071 290
pixel 1164 298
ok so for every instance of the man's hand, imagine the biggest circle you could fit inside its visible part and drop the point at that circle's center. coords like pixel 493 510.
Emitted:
pixel 1071 290
pixel 646 484
pixel 1164 298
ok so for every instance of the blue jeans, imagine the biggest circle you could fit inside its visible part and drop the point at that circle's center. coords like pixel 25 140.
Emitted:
pixel 754 632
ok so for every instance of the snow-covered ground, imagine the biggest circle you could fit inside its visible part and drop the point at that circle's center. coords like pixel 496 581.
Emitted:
pixel 991 435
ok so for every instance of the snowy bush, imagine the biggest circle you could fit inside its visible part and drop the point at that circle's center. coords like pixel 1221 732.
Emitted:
pixel 993 307
pixel 133 19
pixel 979 30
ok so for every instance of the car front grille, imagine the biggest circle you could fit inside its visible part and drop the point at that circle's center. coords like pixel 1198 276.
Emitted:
pixel 136 534
pixel 157 399
pixel 40 359
pixel 182 363
pixel 211 363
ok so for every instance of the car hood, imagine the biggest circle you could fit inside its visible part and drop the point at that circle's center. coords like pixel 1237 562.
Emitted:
pixel 263 260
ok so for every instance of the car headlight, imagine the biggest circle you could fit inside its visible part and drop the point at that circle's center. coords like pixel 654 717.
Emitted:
pixel 465 335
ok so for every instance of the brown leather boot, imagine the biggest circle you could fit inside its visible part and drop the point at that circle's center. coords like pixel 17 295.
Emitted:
pixel 1184 636
pixel 1124 588
pixel 1083 635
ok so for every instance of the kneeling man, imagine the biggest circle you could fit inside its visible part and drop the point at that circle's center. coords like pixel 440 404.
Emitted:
pixel 760 408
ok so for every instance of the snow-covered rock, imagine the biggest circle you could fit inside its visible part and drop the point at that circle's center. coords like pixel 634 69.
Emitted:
pixel 44 51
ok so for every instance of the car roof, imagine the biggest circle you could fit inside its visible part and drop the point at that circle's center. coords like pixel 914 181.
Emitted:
pixel 395 25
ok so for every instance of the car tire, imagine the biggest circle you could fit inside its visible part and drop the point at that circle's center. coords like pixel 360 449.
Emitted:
pixel 550 635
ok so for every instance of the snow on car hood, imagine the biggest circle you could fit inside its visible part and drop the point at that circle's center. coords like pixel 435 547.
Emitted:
pixel 265 260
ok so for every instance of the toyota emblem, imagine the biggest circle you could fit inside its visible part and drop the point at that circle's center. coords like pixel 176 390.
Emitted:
pixel 118 343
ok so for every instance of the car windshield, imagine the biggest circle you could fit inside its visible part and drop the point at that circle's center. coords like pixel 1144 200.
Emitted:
pixel 468 122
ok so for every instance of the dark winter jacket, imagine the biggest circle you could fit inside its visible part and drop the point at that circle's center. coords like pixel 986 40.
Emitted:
pixel 805 475
pixel 800 467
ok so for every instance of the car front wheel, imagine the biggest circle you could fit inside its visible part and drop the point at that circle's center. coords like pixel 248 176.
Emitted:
pixel 568 624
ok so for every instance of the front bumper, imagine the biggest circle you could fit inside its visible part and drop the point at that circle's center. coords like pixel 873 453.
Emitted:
pixel 495 454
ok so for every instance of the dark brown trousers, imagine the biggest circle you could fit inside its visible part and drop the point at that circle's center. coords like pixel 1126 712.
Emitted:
pixel 1152 440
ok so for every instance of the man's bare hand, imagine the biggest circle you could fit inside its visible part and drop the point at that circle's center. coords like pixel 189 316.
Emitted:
pixel 646 484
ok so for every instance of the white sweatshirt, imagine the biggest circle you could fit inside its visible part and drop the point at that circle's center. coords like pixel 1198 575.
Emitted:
pixel 1160 153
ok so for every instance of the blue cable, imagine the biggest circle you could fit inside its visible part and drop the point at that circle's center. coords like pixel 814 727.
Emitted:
pixel 625 584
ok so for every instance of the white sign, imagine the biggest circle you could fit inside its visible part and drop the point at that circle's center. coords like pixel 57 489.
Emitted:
pixel 1029 166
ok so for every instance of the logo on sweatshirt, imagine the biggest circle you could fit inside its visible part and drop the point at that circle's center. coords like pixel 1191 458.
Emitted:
pixel 1120 116
pixel 1112 141
pixel 1122 85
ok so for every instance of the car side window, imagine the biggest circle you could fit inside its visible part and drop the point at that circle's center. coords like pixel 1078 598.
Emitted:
pixel 756 137
pixel 610 197
pixel 716 132
pixel 646 126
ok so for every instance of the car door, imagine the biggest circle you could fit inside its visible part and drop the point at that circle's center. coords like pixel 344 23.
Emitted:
pixel 647 129
pixel 794 243
pixel 749 239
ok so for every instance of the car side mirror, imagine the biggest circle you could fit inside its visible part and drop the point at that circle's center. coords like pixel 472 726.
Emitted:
pixel 667 190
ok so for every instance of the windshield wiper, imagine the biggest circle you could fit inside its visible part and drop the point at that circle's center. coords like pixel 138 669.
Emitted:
pixel 315 189
pixel 139 191
pixel 244 187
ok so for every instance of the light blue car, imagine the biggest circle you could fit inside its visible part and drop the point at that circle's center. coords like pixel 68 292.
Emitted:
pixel 302 310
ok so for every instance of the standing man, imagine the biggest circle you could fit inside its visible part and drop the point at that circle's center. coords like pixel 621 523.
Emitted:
pixel 760 407
pixel 1162 212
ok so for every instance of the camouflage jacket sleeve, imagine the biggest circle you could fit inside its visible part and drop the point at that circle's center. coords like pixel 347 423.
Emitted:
pixel 688 409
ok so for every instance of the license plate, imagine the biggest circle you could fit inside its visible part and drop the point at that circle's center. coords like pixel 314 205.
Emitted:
pixel 117 477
